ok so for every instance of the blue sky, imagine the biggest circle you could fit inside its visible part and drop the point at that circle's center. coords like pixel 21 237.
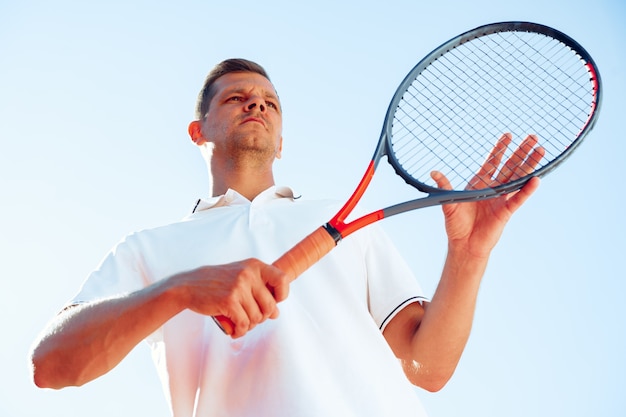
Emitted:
pixel 95 98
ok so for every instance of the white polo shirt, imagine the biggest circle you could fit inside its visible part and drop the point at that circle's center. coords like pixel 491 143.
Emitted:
pixel 324 356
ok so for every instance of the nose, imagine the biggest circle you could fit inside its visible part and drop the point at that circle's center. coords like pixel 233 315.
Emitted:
pixel 256 101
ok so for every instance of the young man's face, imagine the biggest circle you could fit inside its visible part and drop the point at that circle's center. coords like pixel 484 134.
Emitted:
pixel 244 116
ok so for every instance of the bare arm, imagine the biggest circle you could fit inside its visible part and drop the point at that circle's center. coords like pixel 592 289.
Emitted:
pixel 430 340
pixel 84 342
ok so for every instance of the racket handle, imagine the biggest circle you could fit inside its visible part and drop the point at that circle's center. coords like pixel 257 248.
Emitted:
pixel 306 253
pixel 294 262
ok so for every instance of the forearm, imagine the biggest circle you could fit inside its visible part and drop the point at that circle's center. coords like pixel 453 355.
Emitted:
pixel 84 342
pixel 87 341
pixel 441 337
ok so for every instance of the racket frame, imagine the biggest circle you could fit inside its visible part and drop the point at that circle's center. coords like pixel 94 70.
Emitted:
pixel 337 227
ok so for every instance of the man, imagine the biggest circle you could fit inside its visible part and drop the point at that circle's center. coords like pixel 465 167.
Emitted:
pixel 350 330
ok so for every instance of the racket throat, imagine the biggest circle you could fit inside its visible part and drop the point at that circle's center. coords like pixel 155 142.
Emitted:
pixel 334 233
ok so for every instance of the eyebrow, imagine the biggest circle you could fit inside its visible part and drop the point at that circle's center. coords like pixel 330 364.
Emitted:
pixel 242 90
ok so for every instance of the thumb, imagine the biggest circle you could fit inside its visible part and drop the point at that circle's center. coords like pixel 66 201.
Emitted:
pixel 277 282
pixel 441 180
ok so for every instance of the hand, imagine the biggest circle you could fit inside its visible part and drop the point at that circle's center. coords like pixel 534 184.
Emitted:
pixel 246 292
pixel 476 226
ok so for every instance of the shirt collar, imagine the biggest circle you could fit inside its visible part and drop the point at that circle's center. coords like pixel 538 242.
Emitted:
pixel 233 198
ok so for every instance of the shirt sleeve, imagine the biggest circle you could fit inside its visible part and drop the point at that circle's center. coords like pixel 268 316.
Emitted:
pixel 391 283
pixel 119 273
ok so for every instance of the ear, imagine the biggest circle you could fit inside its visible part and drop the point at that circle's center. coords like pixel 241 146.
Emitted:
pixel 195 132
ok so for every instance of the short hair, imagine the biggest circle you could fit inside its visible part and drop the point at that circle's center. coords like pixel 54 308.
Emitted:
pixel 225 67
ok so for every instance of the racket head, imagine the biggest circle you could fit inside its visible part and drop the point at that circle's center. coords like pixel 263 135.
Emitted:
pixel 510 77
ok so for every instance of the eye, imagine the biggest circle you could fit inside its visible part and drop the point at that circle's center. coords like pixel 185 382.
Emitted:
pixel 235 98
pixel 272 104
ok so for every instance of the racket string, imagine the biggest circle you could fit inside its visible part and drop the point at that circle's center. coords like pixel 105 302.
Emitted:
pixel 453 112
pixel 518 77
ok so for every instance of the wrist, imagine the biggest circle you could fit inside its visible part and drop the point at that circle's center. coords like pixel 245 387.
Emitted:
pixel 173 292
pixel 463 250
pixel 465 264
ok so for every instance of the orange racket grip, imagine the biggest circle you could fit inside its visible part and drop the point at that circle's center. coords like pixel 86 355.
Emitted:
pixel 306 253
pixel 294 262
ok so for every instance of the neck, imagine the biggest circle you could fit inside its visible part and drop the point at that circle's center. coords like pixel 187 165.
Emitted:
pixel 249 183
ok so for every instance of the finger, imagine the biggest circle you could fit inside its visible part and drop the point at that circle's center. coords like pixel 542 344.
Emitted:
pixel 484 176
pixel 244 309
pixel 530 164
pixel 241 322
pixel 441 180
pixel 510 170
pixel 260 305
pixel 246 318
pixel 444 184
pixel 519 198
pixel 490 166
pixel 251 311
pixel 277 281
pixel 265 304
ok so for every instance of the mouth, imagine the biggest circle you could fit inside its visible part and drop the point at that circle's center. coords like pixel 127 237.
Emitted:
pixel 253 120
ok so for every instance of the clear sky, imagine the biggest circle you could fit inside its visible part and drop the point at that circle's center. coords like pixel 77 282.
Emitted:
pixel 95 98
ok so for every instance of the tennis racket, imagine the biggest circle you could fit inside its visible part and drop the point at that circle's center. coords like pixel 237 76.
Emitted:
pixel 515 77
